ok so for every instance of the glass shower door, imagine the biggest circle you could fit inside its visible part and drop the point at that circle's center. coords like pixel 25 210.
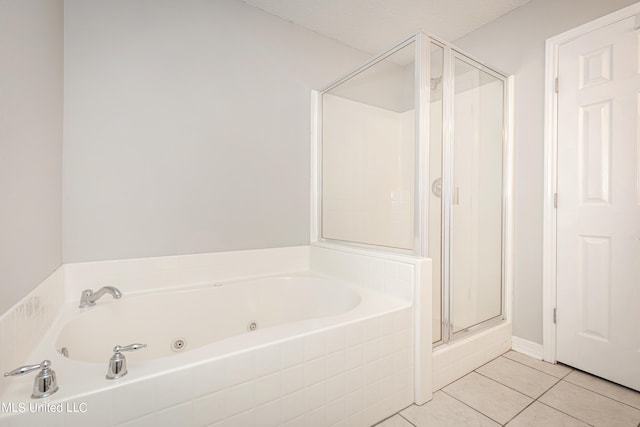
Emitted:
pixel 476 195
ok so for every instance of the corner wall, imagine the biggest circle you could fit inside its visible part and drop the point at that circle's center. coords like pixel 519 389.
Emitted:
pixel 31 45
pixel 515 44
pixel 187 127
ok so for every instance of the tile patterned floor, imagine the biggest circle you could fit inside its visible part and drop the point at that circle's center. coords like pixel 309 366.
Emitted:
pixel 518 391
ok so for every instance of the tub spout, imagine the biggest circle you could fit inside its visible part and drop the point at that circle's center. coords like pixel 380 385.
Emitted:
pixel 88 298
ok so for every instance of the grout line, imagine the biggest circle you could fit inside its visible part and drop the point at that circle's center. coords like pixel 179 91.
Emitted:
pixel 528 366
pixel 492 360
pixel 511 388
pixel 405 418
pixel 562 412
pixel 385 420
pixel 519 412
pixel 571 369
pixel 533 399
pixel 516 390
pixel 398 413
pixel 401 416
pixel 603 395
pixel 481 413
pixel 605 380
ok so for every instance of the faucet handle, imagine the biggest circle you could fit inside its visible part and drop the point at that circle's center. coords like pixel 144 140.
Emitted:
pixel 84 299
pixel 45 383
pixel 25 369
pixel 118 363
pixel 130 347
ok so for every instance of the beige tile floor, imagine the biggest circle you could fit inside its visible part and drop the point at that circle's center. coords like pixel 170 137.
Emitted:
pixel 517 390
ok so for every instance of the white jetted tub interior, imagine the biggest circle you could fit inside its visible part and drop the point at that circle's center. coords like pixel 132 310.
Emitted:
pixel 183 320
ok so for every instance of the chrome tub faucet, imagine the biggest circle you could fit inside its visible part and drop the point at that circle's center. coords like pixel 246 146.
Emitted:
pixel 88 298
pixel 118 363
pixel 45 383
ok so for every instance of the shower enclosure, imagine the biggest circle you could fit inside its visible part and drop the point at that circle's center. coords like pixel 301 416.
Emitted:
pixel 413 158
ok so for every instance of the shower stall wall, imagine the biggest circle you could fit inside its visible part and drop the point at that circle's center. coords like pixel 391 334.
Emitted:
pixel 413 158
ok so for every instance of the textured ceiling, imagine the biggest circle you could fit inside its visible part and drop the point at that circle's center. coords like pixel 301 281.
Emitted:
pixel 375 25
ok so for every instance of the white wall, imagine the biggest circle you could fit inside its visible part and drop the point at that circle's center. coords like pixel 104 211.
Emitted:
pixel 187 127
pixel 30 145
pixel 515 44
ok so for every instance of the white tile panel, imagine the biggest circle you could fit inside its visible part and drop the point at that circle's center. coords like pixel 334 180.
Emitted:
pixel 335 387
pixel 100 411
pixel 175 416
pixel 353 356
pixel 354 333
pixel 316 418
pixel 293 405
pixel 315 396
pixel 315 371
pixel 335 411
pixel 292 353
pixel 354 379
pixel 335 363
pixel 210 409
pixel 293 379
pixel 175 387
pixel 268 415
pixel 24 325
pixel 133 400
pixel 353 402
pixel 335 340
pixel 267 388
pixel 267 360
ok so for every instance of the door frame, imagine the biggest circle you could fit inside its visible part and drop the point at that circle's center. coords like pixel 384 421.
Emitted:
pixel 549 253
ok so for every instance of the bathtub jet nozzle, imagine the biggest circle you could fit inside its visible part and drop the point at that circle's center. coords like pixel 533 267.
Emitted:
pixel 88 298
pixel 118 363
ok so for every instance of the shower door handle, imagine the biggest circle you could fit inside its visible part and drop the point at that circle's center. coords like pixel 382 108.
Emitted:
pixel 436 187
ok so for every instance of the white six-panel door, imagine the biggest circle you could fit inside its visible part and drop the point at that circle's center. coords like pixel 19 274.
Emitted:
pixel 598 211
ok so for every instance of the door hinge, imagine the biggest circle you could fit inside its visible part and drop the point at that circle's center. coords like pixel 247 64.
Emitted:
pixel 555 200
pixel 557 85
pixel 555 318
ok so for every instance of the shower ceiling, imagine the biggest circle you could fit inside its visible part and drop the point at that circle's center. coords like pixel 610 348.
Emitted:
pixel 375 25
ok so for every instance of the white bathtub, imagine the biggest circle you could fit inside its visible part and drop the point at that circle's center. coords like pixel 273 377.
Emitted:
pixel 324 352
pixel 204 315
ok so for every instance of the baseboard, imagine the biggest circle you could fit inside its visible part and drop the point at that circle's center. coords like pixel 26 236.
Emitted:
pixel 527 347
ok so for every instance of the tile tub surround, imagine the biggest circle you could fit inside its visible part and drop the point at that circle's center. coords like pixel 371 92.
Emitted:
pixel 356 374
pixel 383 272
pixel 26 323
pixel 405 277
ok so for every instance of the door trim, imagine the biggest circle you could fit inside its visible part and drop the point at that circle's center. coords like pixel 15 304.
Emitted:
pixel 549 254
